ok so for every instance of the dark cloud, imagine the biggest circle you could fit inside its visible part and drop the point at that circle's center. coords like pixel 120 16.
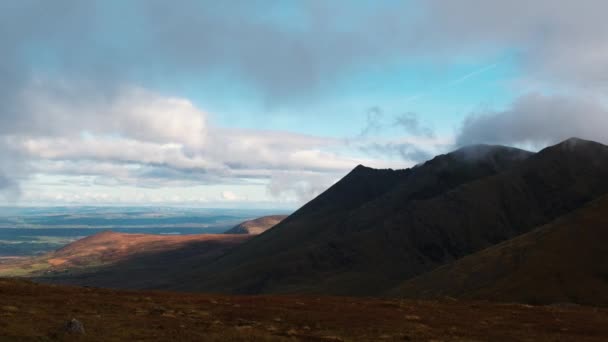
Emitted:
pixel 554 40
pixel 292 50
pixel 538 120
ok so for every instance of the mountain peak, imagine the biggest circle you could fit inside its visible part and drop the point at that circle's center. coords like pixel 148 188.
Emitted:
pixel 575 142
pixel 481 151
pixel 574 146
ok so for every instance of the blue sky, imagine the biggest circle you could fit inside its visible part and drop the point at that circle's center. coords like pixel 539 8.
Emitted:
pixel 267 103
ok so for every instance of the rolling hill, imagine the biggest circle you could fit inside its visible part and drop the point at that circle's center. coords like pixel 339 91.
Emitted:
pixel 148 256
pixel 256 226
pixel 563 261
pixel 132 261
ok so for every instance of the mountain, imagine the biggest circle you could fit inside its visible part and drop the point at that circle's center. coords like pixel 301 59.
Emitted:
pixel 375 229
pixel 563 261
pixel 351 239
pixel 256 226
pixel 122 260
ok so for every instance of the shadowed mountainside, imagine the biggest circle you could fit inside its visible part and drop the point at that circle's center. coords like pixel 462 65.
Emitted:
pixel 563 261
pixel 324 240
pixel 256 226
pixel 377 228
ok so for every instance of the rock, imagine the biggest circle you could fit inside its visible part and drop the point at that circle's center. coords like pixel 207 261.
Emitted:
pixel 158 310
pixel 74 326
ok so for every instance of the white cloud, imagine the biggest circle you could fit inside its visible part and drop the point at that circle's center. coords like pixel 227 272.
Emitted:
pixel 298 186
pixel 112 144
pixel 60 108
pixel 229 196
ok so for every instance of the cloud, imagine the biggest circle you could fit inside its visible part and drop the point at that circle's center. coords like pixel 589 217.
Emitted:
pixel 298 50
pixel 13 170
pixel 556 41
pixel 59 109
pixel 229 196
pixel 143 139
pixel 9 189
pixel 414 141
pixel 374 124
pixel 538 120
pixel 403 150
pixel 79 81
pixel 298 186
pixel 302 48
pixel 410 123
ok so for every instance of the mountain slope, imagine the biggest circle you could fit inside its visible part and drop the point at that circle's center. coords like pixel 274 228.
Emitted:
pixel 347 240
pixel 564 261
pixel 256 226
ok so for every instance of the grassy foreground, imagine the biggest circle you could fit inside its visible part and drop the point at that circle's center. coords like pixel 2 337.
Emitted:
pixel 35 312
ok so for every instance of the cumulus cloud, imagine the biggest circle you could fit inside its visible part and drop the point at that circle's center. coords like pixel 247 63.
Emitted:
pixel 55 108
pixel 537 119
pixel 71 74
pixel 229 196
pixel 138 151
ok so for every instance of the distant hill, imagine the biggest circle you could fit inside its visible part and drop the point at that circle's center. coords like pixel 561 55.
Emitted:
pixel 146 255
pixel 256 226
pixel 132 261
pixel 563 261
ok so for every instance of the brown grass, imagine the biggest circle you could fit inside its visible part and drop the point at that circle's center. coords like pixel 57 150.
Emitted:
pixel 30 311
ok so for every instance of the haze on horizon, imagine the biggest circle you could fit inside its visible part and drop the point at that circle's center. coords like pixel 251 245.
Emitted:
pixel 267 103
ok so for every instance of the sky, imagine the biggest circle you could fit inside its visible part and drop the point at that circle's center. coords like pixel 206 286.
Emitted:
pixel 264 104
